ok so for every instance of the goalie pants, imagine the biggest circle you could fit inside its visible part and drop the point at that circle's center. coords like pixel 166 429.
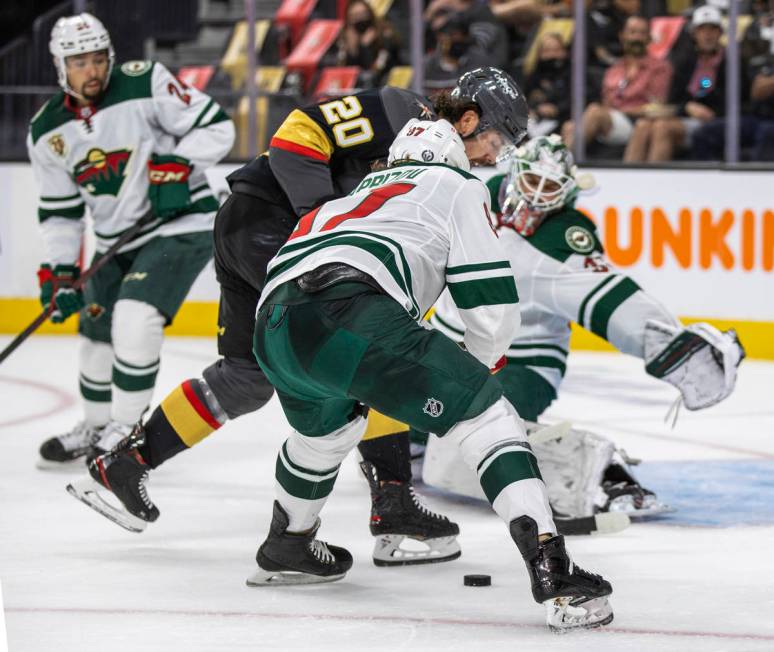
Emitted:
pixel 328 352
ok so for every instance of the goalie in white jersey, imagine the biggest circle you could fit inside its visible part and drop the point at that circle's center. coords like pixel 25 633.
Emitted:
pixel 338 328
pixel 120 140
pixel 563 276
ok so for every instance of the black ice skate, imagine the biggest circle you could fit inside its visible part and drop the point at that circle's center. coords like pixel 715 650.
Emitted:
pixel 286 558
pixel 61 451
pixel 120 473
pixel 398 514
pixel 574 598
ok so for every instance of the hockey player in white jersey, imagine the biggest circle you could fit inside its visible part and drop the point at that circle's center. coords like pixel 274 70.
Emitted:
pixel 120 140
pixel 339 330
pixel 563 276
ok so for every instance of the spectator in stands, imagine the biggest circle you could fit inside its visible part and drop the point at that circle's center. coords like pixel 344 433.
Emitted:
pixel 756 128
pixel 630 87
pixel 604 24
pixel 548 87
pixel 697 94
pixel 485 30
pixel 455 54
pixel 528 13
pixel 367 42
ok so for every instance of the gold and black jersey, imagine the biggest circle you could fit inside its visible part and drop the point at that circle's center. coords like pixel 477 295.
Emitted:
pixel 322 151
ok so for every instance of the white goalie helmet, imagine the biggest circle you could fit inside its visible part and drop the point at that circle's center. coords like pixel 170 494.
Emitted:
pixel 542 179
pixel 426 141
pixel 78 34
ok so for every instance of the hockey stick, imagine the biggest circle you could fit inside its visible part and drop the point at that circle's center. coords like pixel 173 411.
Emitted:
pixel 602 523
pixel 95 267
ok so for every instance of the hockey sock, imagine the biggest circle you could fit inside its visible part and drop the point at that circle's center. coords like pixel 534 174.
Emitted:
pixel 494 444
pixel 185 417
pixel 95 364
pixel 306 471
pixel 137 333
pixel 390 454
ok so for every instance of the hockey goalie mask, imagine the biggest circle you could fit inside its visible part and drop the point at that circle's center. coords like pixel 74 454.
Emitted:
pixel 74 35
pixel 426 141
pixel 541 181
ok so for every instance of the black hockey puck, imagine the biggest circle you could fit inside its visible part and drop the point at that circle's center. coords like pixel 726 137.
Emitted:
pixel 477 580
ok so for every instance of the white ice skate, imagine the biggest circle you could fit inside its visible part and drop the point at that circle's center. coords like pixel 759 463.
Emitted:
pixel 566 614
pixel 66 452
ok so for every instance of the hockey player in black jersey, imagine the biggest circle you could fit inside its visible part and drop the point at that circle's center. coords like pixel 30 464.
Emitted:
pixel 318 153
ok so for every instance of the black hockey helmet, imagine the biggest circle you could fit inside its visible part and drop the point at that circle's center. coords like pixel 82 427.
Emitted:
pixel 502 104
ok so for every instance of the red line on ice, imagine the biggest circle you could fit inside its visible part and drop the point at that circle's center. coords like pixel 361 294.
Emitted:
pixel 64 400
pixel 390 619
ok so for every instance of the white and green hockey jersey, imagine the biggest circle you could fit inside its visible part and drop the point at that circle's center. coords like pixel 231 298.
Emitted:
pixel 97 157
pixel 563 276
pixel 416 229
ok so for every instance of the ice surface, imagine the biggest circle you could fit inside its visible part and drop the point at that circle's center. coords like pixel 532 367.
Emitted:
pixel 702 580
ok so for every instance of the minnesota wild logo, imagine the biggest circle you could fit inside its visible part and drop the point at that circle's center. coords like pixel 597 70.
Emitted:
pixel 101 172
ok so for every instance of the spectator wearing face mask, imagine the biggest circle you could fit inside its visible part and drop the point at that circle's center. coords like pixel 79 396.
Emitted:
pixel 367 42
pixel 697 94
pixel 630 88
pixel 486 32
pixel 548 87
pixel 604 23
pixel 455 54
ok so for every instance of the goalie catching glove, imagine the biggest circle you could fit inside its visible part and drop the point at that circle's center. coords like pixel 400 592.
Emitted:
pixel 699 360
pixel 56 287
pixel 168 189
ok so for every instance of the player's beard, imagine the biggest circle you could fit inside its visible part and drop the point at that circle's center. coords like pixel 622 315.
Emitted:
pixel 93 96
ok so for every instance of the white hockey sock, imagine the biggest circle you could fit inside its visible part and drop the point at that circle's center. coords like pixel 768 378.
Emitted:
pixel 494 444
pixel 307 468
pixel 95 362
pixel 137 332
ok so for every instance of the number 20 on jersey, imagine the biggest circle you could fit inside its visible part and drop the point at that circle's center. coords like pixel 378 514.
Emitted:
pixel 349 126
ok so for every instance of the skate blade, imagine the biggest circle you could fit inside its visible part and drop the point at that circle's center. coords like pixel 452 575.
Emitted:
pixel 70 466
pixel 288 578
pixel 89 493
pixel 603 523
pixel 563 616
pixel 388 551
pixel 655 510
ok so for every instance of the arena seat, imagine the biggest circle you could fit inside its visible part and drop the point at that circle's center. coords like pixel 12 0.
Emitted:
pixel 337 81
pixel 196 76
pixel 400 76
pixel 290 20
pixel 319 36
pixel 664 32
pixel 234 61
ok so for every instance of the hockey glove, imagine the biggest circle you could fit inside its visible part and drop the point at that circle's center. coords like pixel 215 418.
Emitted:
pixel 56 287
pixel 168 189
pixel 699 360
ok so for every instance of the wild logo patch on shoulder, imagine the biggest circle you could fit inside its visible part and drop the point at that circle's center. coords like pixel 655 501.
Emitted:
pixel 57 144
pixel 135 68
pixel 579 239
pixel 433 407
